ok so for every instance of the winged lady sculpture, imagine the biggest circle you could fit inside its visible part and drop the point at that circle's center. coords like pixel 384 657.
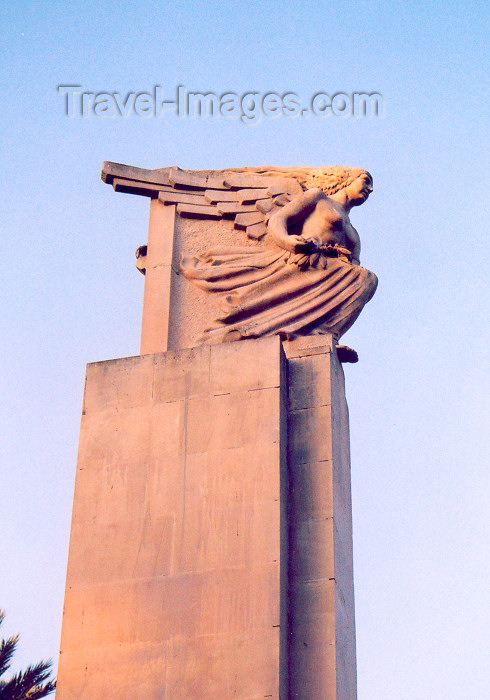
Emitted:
pixel 298 270
pixel 304 275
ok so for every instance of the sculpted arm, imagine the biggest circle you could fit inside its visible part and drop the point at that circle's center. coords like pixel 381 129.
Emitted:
pixel 355 243
pixel 297 210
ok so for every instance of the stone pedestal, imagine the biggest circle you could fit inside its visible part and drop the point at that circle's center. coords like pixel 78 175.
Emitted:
pixel 211 545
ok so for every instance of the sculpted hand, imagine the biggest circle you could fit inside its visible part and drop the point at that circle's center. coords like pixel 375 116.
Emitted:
pixel 298 244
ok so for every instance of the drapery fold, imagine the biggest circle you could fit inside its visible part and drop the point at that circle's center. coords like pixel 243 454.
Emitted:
pixel 268 291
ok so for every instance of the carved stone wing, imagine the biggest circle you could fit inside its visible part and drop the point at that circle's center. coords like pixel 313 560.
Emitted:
pixel 243 195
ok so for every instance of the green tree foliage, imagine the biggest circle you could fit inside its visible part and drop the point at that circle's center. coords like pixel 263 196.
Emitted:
pixel 30 684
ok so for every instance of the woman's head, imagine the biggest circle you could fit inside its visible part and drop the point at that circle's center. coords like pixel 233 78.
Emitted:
pixel 358 190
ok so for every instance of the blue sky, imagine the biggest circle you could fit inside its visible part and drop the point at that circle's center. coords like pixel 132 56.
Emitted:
pixel 419 396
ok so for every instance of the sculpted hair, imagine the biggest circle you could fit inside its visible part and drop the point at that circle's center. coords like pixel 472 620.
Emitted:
pixel 330 179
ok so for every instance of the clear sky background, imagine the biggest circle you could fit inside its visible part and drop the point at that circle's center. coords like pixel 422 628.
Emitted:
pixel 418 397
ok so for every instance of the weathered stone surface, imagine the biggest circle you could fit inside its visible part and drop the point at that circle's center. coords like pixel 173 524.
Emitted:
pixel 244 195
pixel 244 220
pixel 321 652
pixel 265 206
pixel 184 198
pixel 309 385
pixel 248 181
pixel 211 546
pixel 256 231
pixel 158 278
pixel 198 210
pixel 306 422
pixel 146 189
pixel 174 577
pixel 180 375
pixel 235 208
pixel 182 177
pixel 129 172
pixel 232 367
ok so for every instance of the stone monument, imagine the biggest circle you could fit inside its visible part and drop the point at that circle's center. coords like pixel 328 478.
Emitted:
pixel 211 544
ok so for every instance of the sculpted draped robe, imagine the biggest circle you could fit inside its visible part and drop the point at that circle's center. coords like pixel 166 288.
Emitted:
pixel 266 291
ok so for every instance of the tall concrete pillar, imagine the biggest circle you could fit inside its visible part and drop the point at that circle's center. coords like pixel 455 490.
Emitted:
pixel 211 544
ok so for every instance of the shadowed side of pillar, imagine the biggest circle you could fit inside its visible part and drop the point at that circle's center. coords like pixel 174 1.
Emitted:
pixel 321 630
